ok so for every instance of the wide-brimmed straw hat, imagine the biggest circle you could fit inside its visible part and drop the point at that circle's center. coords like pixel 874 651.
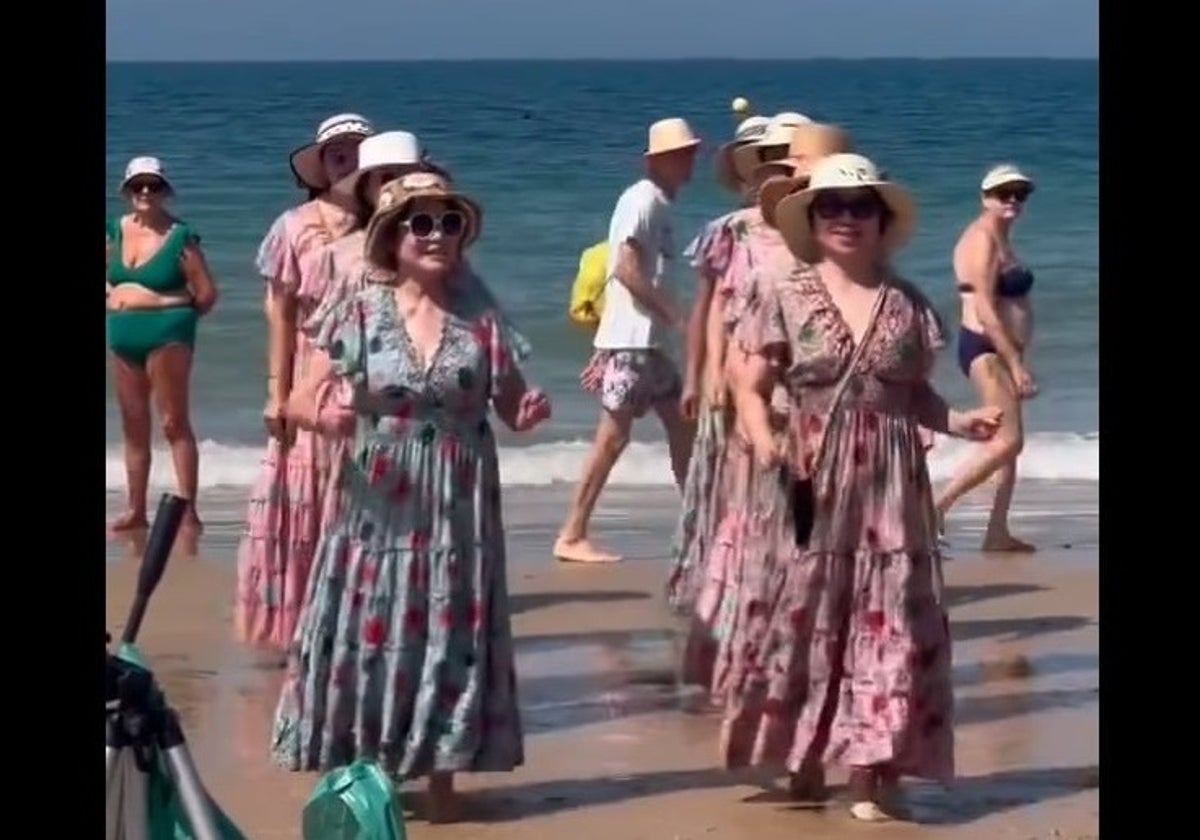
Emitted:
pixel 388 149
pixel 145 165
pixel 395 199
pixel 1003 175
pixel 670 135
pixel 744 158
pixel 810 143
pixel 306 161
pixel 844 172
pixel 748 130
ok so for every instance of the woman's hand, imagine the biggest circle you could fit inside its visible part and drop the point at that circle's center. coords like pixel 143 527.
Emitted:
pixel 1024 382
pixel 533 410
pixel 769 451
pixel 978 424
pixel 715 388
pixel 336 420
pixel 275 419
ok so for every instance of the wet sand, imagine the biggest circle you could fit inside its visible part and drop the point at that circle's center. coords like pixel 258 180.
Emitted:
pixel 608 751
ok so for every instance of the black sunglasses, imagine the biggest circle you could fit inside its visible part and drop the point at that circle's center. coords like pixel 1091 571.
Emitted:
pixel 422 225
pixel 829 206
pixel 150 185
pixel 1006 194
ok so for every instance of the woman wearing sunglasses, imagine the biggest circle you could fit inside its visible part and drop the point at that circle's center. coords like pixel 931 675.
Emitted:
pixel 158 287
pixel 839 646
pixel 284 512
pixel 743 245
pixel 404 652
pixel 997 325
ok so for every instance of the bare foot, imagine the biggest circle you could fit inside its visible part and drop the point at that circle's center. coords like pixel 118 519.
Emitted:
pixel 130 521
pixel 808 786
pixel 1007 543
pixel 581 551
pixel 443 805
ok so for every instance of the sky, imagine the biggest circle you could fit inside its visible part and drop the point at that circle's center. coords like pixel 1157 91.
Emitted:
pixel 319 30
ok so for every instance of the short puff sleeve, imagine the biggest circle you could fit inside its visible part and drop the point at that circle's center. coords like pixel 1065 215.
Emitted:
pixel 340 335
pixel 761 328
pixel 711 251
pixel 277 260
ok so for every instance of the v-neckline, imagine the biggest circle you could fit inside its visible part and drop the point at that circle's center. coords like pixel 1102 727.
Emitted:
pixel 162 246
pixel 423 365
pixel 855 341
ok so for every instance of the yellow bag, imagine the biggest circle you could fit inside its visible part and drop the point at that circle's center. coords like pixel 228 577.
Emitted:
pixel 587 292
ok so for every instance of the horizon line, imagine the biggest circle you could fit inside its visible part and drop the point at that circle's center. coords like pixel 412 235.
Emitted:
pixel 595 59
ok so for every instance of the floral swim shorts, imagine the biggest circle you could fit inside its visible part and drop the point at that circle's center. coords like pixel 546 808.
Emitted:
pixel 631 381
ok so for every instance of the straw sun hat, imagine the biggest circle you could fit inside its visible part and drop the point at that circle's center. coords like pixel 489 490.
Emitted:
pixel 670 135
pixel 810 143
pixel 1006 174
pixel 737 163
pixel 844 172
pixel 306 161
pixel 397 197
pixel 749 130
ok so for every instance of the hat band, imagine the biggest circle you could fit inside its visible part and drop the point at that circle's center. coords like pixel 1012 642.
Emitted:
pixel 349 127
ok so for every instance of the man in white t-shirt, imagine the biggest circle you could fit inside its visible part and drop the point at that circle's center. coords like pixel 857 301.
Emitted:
pixel 629 370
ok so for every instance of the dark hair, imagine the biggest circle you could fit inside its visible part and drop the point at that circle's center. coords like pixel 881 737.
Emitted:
pixel 363 209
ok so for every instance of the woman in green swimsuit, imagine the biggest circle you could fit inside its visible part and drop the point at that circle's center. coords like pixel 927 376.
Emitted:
pixel 158 286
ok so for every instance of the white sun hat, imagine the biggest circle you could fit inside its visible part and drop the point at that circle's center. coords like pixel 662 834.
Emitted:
pixel 1004 173
pixel 670 135
pixel 388 149
pixel 306 161
pixel 749 130
pixel 844 172
pixel 145 165
pixel 748 156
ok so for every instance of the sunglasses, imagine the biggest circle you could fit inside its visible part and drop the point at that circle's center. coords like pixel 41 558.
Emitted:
pixel 150 185
pixel 1018 195
pixel 860 208
pixel 422 225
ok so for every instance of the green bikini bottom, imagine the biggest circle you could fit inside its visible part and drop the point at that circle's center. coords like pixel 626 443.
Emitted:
pixel 133 334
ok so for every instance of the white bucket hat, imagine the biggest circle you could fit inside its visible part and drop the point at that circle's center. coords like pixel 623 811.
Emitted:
pixel 670 135
pixel 306 161
pixel 1005 173
pixel 844 172
pixel 388 149
pixel 145 165
pixel 745 158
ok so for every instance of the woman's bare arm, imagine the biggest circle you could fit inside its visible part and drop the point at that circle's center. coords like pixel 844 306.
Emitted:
pixel 977 265
pixel 303 405
pixel 199 279
pixel 753 379
pixel 280 309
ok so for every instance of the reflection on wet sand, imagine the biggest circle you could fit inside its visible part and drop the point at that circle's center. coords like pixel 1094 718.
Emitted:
pixel 608 754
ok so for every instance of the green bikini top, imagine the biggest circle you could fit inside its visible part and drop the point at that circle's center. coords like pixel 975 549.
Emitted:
pixel 163 272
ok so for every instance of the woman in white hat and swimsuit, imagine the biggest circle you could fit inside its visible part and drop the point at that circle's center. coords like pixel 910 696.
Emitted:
pixel 405 653
pixel 283 517
pixel 840 647
pixel 997 325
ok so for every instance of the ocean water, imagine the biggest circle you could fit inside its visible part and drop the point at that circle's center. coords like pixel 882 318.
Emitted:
pixel 547 148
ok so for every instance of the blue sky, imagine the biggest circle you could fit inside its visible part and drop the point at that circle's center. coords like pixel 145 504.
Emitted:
pixel 282 30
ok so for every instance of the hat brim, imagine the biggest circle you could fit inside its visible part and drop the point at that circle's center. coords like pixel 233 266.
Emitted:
pixel 158 175
pixel 791 218
pixel 1023 180
pixel 680 147
pixel 348 185
pixel 306 161
pixel 776 188
pixel 748 157
pixel 384 223
pixel 726 172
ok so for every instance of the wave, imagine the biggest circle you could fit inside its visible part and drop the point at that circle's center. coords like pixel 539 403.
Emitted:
pixel 1056 456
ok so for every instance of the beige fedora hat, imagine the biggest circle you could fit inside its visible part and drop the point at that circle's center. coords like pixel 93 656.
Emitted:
pixel 778 135
pixel 306 161
pixel 1005 174
pixel 810 143
pixel 844 172
pixel 397 196
pixel 670 135
pixel 749 130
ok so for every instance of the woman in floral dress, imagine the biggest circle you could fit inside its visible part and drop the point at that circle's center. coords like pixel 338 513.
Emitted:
pixel 745 246
pixel 284 512
pixel 839 649
pixel 404 652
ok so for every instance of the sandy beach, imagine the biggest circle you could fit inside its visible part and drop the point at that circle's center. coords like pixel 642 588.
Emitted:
pixel 609 752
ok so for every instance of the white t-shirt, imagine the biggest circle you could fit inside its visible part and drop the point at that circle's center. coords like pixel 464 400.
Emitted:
pixel 643 214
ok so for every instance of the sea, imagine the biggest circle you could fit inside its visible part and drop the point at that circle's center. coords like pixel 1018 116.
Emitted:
pixel 548 146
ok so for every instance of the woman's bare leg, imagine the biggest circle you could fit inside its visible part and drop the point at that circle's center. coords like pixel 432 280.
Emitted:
pixel 170 370
pixel 443 799
pixel 995 387
pixel 133 398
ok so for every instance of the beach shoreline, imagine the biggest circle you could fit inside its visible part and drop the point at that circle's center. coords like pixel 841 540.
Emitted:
pixel 609 753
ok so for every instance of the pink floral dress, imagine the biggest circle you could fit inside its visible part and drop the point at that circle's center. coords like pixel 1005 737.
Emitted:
pixel 287 501
pixel 839 652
